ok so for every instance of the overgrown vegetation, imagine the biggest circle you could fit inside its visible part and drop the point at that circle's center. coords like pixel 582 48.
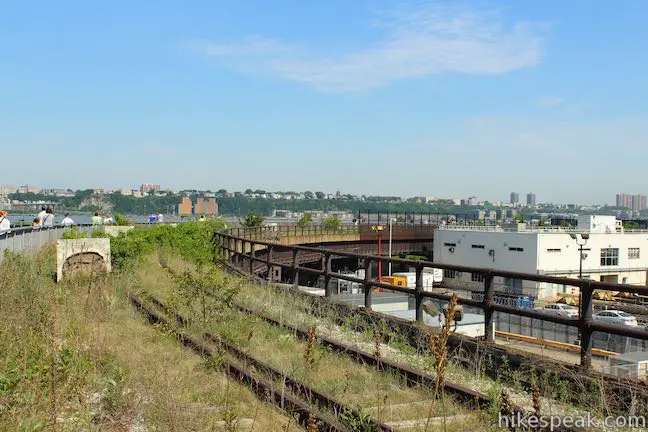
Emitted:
pixel 191 240
pixel 79 233
pixel 74 356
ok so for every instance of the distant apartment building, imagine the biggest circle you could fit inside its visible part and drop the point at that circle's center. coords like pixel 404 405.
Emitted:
pixel 636 203
pixel 206 206
pixel 185 208
pixel 515 198
pixel 202 206
pixel 126 191
pixel 148 187
pixel 472 201
pixel 531 199
pixel 7 189
pixel 28 189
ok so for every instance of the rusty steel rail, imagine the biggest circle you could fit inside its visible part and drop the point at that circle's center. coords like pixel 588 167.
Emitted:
pixel 265 390
pixel 242 253
pixel 299 388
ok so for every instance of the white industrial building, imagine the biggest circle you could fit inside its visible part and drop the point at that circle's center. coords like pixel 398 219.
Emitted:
pixel 611 254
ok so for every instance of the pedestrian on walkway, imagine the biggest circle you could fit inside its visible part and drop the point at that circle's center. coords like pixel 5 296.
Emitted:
pixel 5 224
pixel 96 219
pixel 36 224
pixel 160 218
pixel 49 218
pixel 67 220
pixel 41 215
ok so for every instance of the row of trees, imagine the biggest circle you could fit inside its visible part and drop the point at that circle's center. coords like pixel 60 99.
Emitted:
pixel 330 223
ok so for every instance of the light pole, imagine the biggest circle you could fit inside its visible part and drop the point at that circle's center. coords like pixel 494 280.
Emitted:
pixel 391 220
pixel 584 237
pixel 378 229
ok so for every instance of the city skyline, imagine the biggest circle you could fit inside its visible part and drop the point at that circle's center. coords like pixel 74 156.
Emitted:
pixel 634 202
pixel 455 94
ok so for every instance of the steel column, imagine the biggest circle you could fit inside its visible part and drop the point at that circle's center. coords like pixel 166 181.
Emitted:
pixel 326 266
pixel 489 300
pixel 584 323
pixel 268 265
pixel 417 294
pixel 252 255
pixel 367 287
pixel 295 269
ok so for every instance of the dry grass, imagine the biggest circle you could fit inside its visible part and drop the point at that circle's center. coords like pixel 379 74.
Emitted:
pixel 75 356
pixel 384 395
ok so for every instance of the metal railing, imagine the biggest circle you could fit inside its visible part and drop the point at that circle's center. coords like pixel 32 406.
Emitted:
pixel 547 229
pixel 28 239
pixel 279 231
pixel 242 253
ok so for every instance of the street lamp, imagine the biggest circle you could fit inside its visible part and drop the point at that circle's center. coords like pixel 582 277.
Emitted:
pixel 391 220
pixel 378 229
pixel 584 237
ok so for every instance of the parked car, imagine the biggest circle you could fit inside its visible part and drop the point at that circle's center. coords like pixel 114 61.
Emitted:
pixel 560 309
pixel 616 317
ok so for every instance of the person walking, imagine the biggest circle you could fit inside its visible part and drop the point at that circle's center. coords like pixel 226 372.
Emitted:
pixel 5 224
pixel 36 224
pixel 67 220
pixel 41 215
pixel 160 218
pixel 96 219
pixel 48 221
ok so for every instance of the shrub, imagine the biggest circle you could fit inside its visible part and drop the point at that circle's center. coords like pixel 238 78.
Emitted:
pixel 121 220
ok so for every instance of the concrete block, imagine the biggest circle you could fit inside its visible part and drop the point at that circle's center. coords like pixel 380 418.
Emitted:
pixel 85 254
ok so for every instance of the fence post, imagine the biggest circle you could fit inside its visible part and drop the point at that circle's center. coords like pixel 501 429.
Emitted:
pixel 367 287
pixel 326 266
pixel 417 293
pixel 268 265
pixel 237 257
pixel 252 258
pixel 584 324
pixel 489 333
pixel 295 270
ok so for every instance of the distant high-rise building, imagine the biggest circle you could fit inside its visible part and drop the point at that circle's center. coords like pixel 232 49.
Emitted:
pixel 472 201
pixel 185 208
pixel 515 197
pixel 28 189
pixel 531 199
pixel 147 187
pixel 635 203
pixel 7 189
pixel 206 206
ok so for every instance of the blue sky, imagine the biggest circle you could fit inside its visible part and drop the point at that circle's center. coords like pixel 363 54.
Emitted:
pixel 437 98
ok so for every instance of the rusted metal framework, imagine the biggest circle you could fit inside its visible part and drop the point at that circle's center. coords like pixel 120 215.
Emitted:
pixel 242 252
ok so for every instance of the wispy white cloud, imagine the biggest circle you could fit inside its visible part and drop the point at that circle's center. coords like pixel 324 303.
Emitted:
pixel 549 101
pixel 416 42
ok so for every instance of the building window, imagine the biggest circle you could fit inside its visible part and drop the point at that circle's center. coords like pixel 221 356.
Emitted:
pixel 633 253
pixel 516 249
pixel 450 274
pixel 610 256
pixel 553 250
pixel 513 285
pixel 477 277
pixel 478 246
pixel 450 244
